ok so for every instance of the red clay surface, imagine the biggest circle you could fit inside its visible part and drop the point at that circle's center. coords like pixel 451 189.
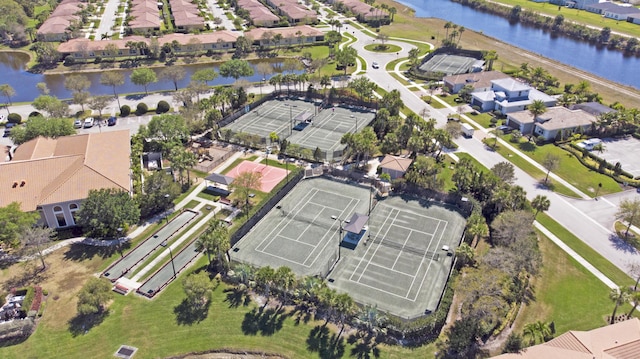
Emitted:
pixel 271 176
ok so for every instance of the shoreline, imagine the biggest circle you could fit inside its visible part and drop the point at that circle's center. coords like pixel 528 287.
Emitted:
pixel 510 56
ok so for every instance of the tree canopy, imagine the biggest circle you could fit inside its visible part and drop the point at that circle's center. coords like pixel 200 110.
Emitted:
pixel 93 296
pixel 236 68
pixel 105 211
pixel 39 126
pixel 156 188
pixel 169 130
pixel 144 77
pixel 13 222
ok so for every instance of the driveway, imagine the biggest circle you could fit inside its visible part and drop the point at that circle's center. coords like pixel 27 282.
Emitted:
pixel 219 12
pixel 107 19
pixel 624 150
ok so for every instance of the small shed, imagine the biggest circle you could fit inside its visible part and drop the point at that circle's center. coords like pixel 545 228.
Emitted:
pixel 219 179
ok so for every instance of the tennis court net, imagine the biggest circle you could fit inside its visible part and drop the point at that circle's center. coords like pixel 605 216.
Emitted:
pixel 273 115
pixel 405 248
pixel 319 221
pixel 333 126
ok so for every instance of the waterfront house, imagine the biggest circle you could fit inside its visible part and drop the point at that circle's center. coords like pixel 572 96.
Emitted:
pixel 555 120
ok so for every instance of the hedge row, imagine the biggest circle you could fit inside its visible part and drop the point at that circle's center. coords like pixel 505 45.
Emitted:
pixel 142 108
pixel 623 177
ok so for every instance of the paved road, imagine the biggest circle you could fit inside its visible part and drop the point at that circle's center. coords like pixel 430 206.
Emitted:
pixel 144 249
pixel 107 19
pixel 589 220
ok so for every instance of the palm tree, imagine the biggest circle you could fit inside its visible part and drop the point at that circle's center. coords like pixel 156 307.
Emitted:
pixel 447 26
pixel 243 273
pixel 215 240
pixel 285 280
pixel 345 310
pixel 635 300
pixel 264 280
pixel 537 108
pixel 537 332
pixel 370 320
pixel 311 287
pixel 540 203
pixel 618 296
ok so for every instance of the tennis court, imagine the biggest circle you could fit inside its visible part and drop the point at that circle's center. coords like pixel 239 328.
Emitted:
pixel 448 64
pixel 402 268
pixel 304 124
pixel 328 127
pixel 271 176
pixel 272 116
pixel 301 232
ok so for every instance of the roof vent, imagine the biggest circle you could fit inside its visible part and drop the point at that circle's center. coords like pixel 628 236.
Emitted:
pixel 23 183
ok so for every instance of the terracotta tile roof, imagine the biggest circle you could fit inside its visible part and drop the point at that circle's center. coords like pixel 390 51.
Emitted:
pixel 306 30
pixel 396 163
pixel 617 341
pixel 46 171
pixel 561 117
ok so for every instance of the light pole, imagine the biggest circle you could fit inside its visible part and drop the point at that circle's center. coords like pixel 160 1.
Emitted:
pixel 164 244
pixel 339 235
pixel 120 229
pixel 262 82
pixel 166 216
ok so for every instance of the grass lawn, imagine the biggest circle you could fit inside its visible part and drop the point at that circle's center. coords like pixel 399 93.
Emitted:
pixel 631 236
pixel 399 79
pixel 571 170
pixel 482 119
pixel 387 48
pixel 450 99
pixel 432 102
pixel 479 165
pixel 192 204
pixel 532 170
pixel 567 294
pixel 596 259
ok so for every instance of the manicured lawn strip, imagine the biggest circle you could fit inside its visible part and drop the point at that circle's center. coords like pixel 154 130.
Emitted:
pixel 573 15
pixel 192 204
pixel 596 259
pixel 284 166
pixel 572 171
pixel 390 48
pixel 363 63
pixel 207 196
pixel 532 170
pixel 566 293
pixel 450 100
pixel 391 66
pixel 447 173
pixel 479 165
pixel 184 195
pixel 434 103
pixel 399 79
pixel 482 119
pixel 235 163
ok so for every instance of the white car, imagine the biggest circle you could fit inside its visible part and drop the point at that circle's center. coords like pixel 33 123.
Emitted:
pixel 77 123
pixel 375 65
pixel 88 122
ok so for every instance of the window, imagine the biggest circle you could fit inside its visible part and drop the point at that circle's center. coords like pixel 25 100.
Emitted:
pixel 73 208
pixel 57 211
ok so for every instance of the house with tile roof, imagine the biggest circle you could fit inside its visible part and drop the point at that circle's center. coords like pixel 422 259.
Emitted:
pixel 509 95
pixel 53 176
pixel 395 166
pixel 480 81
pixel 555 120
pixel 616 341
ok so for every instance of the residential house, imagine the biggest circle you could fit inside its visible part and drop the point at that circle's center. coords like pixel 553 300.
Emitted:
pixel 395 166
pixel 146 16
pixel 57 26
pixel 54 176
pixel 294 12
pixel 575 4
pixel 364 12
pixel 186 16
pixel 594 108
pixel 556 120
pixel 260 15
pixel 509 95
pixel 613 11
pixel 221 40
pixel 480 81
pixel 617 341
pixel 290 35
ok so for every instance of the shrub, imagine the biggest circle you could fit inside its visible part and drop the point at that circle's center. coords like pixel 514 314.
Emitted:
pixel 35 114
pixel 163 107
pixel 141 109
pixel 69 61
pixel 14 118
pixel 37 299
pixel 125 110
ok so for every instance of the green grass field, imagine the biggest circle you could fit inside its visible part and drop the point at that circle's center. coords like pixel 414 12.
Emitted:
pixel 571 170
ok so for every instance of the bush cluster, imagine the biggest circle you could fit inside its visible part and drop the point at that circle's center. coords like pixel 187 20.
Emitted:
pixel 14 118
pixel 163 107
pixel 141 109
pixel 125 110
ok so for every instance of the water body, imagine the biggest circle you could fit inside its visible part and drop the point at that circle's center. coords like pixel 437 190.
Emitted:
pixel 612 65
pixel 13 71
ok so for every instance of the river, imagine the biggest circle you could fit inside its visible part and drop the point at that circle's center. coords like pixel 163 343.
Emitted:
pixel 13 72
pixel 611 65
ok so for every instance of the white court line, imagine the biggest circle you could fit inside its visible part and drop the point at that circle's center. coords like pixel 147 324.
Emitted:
pixel 270 237
pixel 377 248
pixel 414 230
pixel 367 251
pixel 382 290
pixel 294 240
pixel 446 223
pixel 421 262
pixel 402 250
pixel 393 270
pixel 327 232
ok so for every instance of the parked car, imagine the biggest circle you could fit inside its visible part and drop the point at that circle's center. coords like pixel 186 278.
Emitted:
pixel 77 123
pixel 204 142
pixel 7 129
pixel 112 121
pixel 88 122
pixel 506 129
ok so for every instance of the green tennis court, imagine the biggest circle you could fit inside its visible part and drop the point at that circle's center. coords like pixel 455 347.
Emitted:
pixel 403 267
pixel 448 64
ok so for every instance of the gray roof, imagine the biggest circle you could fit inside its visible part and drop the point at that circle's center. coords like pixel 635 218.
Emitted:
pixel 615 8
pixel 218 178
pixel 356 223
pixel 594 108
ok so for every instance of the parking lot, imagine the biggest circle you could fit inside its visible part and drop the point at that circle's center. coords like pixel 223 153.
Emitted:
pixel 624 150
